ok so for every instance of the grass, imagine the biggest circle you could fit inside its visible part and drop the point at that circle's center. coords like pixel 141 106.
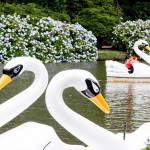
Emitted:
pixel 147 148
pixel 111 55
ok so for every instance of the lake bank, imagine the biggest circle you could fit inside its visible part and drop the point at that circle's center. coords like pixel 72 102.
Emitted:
pixel 111 55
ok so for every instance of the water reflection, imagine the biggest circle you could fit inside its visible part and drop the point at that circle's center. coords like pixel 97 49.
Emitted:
pixel 129 103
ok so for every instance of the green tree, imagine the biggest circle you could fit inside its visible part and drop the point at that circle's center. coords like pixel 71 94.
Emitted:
pixel 33 10
pixel 58 6
pixel 135 9
pixel 99 16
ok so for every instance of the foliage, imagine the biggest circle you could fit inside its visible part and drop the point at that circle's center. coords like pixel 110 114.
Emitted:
pixel 46 39
pixel 99 16
pixel 43 3
pixel 33 10
pixel 102 13
pixel 147 148
pixel 54 5
pixel 135 9
pixel 141 10
pixel 147 142
pixel 59 6
pixel 126 33
pixel 98 20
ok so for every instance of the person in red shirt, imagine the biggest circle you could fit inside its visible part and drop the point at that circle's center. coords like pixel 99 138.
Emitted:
pixel 128 63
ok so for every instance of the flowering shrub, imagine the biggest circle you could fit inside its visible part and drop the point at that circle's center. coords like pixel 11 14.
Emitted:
pixel 147 142
pixel 126 33
pixel 45 39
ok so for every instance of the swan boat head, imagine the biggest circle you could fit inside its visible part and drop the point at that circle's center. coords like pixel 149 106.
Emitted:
pixel 142 43
pixel 16 66
pixel 92 91
pixel 10 71
pixel 18 103
pixel 140 53
pixel 83 81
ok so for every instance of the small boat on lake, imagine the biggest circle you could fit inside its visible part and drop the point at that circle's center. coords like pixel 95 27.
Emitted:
pixel 118 72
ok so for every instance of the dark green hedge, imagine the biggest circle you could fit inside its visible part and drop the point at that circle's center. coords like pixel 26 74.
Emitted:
pixel 33 10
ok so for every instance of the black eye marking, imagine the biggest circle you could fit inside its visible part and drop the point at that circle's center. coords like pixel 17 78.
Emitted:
pixel 17 69
pixel 13 72
pixel 92 88
pixel 144 44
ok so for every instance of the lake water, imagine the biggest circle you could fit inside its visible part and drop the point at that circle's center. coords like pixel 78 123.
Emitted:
pixel 129 102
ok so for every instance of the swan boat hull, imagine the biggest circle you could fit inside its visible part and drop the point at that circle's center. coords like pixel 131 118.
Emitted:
pixel 117 72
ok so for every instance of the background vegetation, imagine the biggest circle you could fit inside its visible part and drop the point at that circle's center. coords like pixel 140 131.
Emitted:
pixel 101 17
pixel 127 33
pixel 98 16
pixel 45 39
pixel 32 9
pixel 135 9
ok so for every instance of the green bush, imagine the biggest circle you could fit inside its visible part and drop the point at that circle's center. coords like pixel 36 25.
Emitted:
pixel 100 20
pixel 33 10
pixel 133 10
pixel 46 39
pixel 126 33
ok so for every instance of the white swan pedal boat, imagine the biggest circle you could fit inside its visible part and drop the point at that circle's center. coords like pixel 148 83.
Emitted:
pixel 118 72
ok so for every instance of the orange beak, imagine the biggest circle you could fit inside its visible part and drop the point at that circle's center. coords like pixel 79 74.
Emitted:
pixel 148 48
pixel 4 80
pixel 101 103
